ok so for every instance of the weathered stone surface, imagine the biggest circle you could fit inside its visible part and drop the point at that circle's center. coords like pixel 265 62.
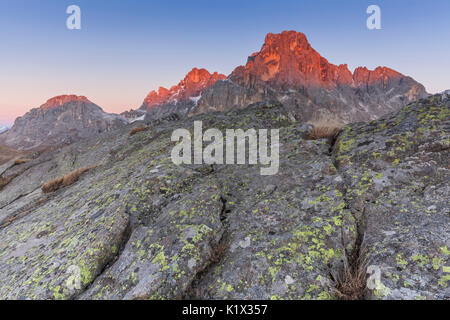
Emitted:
pixel 397 171
pixel 139 227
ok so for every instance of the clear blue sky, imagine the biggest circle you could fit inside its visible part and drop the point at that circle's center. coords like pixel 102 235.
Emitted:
pixel 127 48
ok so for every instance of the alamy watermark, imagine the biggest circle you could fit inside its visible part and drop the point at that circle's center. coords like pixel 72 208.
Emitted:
pixel 374 280
pixel 73 22
pixel 374 20
pixel 73 281
pixel 236 140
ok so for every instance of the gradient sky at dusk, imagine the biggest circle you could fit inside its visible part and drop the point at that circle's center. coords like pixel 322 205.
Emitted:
pixel 127 48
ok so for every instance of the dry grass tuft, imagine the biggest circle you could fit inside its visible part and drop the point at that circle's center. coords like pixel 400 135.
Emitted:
pixel 351 284
pixel 322 133
pixel 138 129
pixel 324 129
pixel 65 181
pixel 52 185
pixel 21 161
pixel 218 252
pixel 5 181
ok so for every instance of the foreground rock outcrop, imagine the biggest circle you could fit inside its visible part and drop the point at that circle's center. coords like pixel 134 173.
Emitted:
pixel 139 227
pixel 61 120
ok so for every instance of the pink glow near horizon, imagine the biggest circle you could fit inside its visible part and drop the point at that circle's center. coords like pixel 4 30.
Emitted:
pixel 14 103
pixel 10 111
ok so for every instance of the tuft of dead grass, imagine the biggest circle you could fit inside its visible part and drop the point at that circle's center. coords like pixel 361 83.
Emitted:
pixel 352 282
pixel 5 181
pixel 138 129
pixel 324 129
pixel 21 161
pixel 322 133
pixel 65 181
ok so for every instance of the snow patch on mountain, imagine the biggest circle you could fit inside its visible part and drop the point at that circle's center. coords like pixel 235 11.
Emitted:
pixel 3 128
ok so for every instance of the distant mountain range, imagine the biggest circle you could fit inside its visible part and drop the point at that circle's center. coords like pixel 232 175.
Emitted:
pixel 290 71
pixel 286 70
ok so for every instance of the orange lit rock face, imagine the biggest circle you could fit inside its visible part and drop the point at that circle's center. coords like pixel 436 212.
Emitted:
pixel 380 75
pixel 61 100
pixel 288 60
pixel 287 70
pixel 191 86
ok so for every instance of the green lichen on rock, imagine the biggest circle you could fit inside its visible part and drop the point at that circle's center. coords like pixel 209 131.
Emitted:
pixel 140 227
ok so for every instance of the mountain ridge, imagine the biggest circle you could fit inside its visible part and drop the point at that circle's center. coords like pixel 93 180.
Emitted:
pixel 289 58
pixel 61 120
pixel 180 98
pixel 192 84
pixel 288 70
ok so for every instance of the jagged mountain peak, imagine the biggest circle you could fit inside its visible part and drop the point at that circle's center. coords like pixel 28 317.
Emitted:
pixel 288 59
pixel 191 86
pixel 289 70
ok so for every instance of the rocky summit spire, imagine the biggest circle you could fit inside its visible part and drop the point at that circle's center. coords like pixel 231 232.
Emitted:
pixel 190 87
pixel 287 59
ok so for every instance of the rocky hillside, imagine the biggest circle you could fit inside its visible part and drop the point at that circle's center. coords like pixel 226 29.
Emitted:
pixel 7 154
pixel 181 98
pixel 62 119
pixel 136 226
pixel 288 70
